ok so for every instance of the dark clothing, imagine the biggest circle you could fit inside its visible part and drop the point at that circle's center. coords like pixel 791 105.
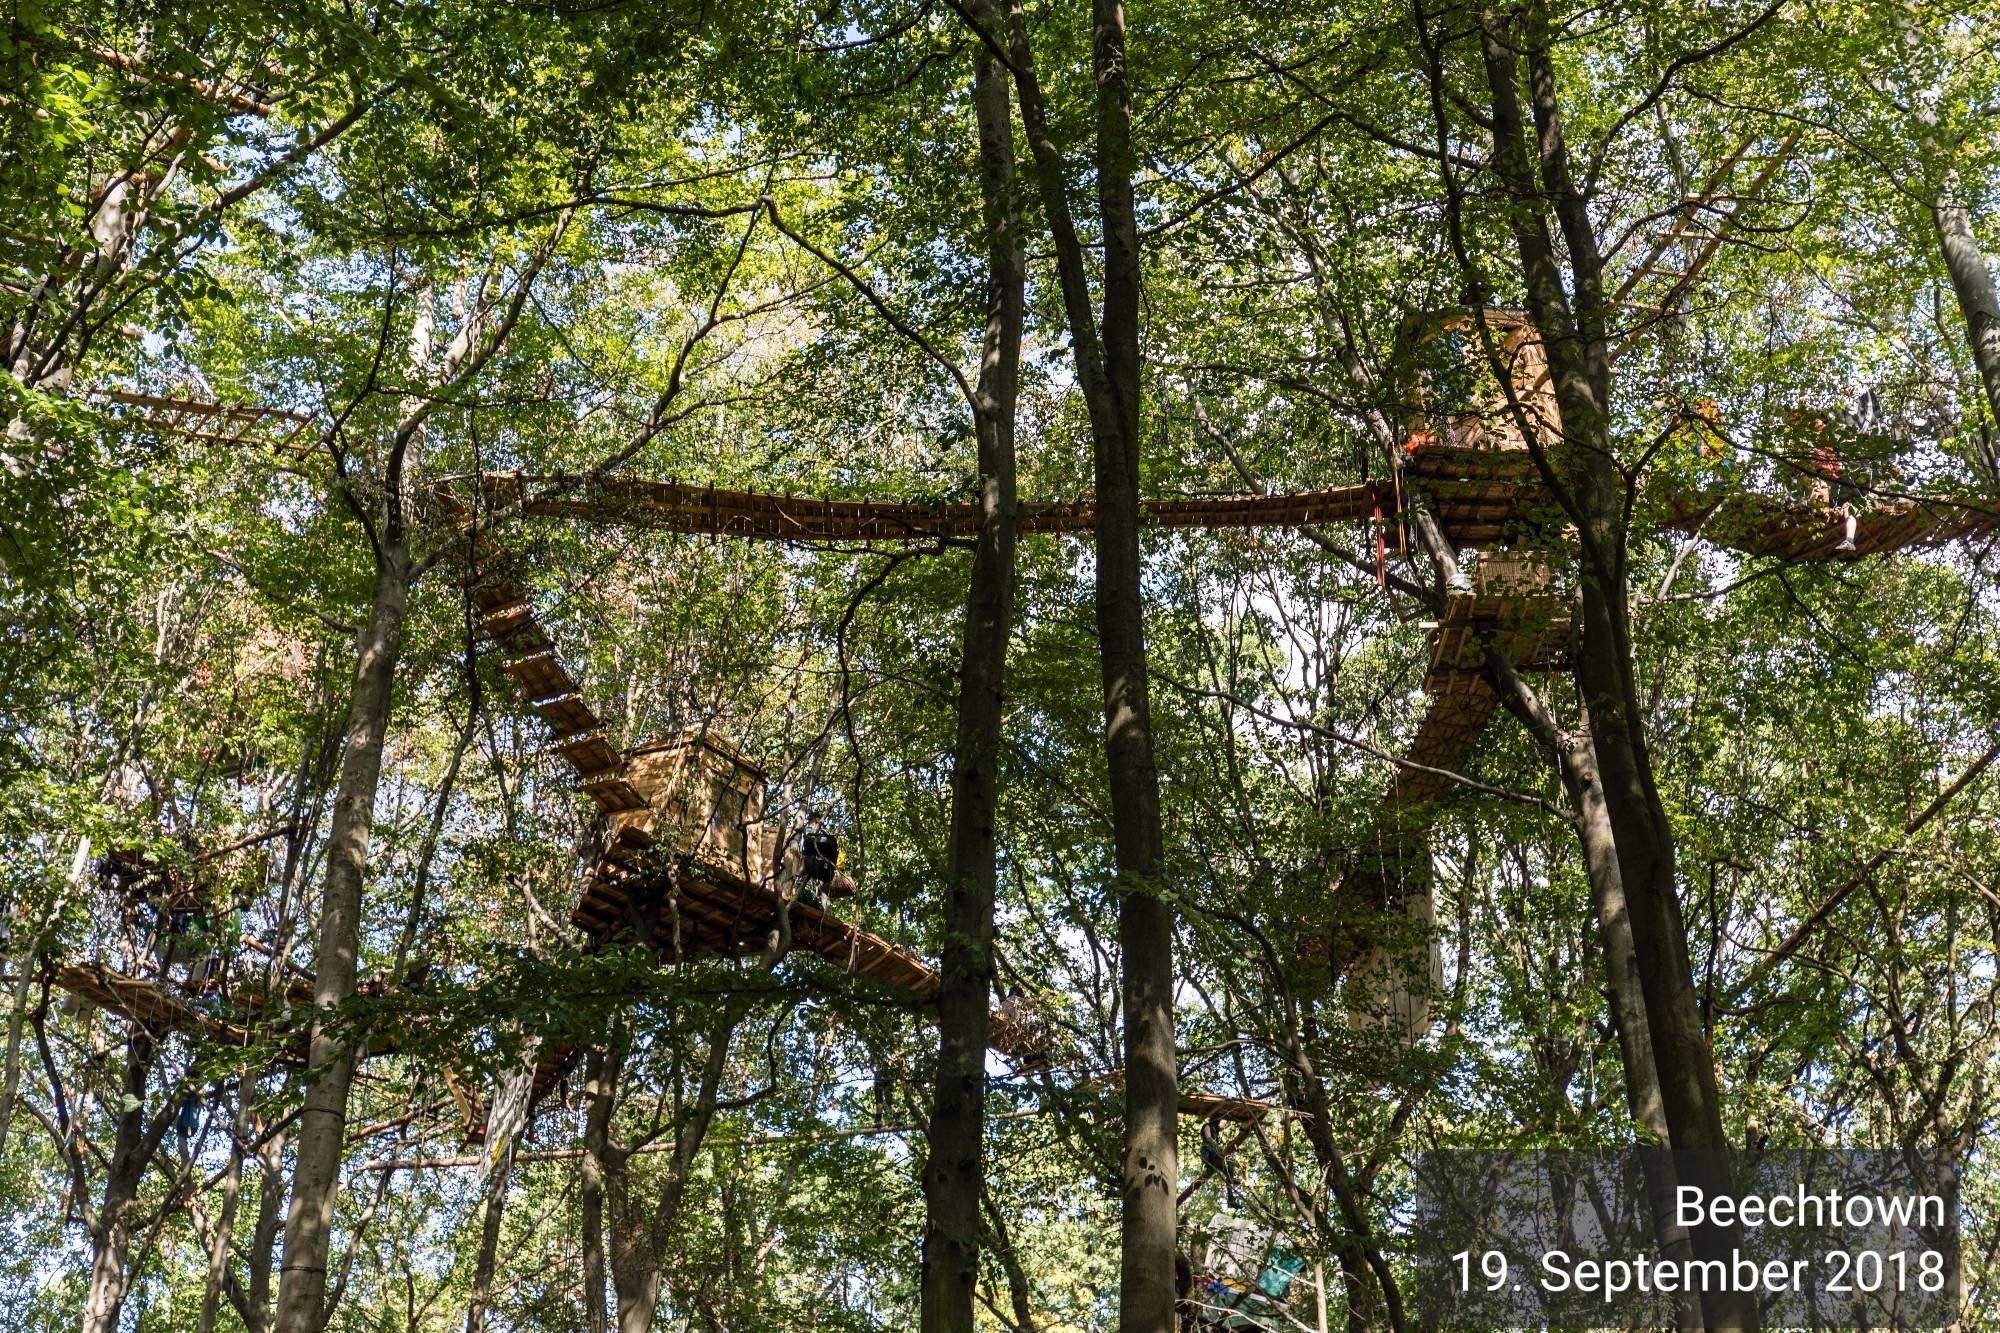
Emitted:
pixel 821 854
pixel 1214 1159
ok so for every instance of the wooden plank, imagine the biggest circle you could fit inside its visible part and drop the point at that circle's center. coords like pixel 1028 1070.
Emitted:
pixel 567 715
pixel 514 629
pixel 146 1002
pixel 590 753
pixel 540 677
pixel 613 794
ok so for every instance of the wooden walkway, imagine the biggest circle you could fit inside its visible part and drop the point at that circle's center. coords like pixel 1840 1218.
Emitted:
pixel 672 506
pixel 1769 526
pixel 688 901
pixel 1480 495
pixel 1481 498
pixel 719 909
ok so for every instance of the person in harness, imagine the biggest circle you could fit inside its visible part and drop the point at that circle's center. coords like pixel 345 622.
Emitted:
pixel 819 853
pixel 1215 1157
pixel 813 863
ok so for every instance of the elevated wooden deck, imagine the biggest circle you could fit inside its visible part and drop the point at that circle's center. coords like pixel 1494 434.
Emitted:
pixel 672 506
pixel 1767 525
pixel 143 1001
pixel 651 884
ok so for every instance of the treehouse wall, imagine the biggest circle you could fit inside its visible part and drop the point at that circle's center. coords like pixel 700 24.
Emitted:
pixel 1455 397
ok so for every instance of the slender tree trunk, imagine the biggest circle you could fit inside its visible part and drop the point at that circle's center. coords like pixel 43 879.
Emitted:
pixel 1570 319
pixel 1108 370
pixel 1374 1297
pixel 1146 922
pixel 1020 1287
pixel 17 1014
pixel 111 1237
pixel 489 1245
pixel 1575 765
pixel 225 1220
pixel 639 1235
pixel 1972 284
pixel 600 1084
pixel 24 974
pixel 255 1306
pixel 323 1119
pixel 954 1171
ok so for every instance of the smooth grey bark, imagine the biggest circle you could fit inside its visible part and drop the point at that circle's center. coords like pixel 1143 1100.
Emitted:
pixel 954 1169
pixel 1109 372
pixel 47 342
pixel 322 1124
pixel 489 1245
pixel 253 1302
pixel 600 1082
pixel 1585 478
pixel 321 1134
pixel 1972 284
pixel 225 1220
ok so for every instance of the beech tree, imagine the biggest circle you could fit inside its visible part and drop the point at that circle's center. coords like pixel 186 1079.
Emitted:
pixel 999 443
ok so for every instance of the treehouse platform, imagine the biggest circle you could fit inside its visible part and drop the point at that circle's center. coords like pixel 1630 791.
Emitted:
pixel 696 868
pixel 145 1001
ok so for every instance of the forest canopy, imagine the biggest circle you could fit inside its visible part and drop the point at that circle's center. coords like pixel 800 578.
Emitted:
pixel 979 666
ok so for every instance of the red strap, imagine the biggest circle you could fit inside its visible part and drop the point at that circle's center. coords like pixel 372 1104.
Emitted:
pixel 1381 547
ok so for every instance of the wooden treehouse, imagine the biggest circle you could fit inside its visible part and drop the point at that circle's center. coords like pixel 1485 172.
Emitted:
pixel 695 867
pixel 1452 394
pixel 689 865
pixel 1466 459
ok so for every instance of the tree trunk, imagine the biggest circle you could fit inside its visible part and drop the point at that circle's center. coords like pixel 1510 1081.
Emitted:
pixel 111 1236
pixel 1972 284
pixel 323 1119
pixel 489 1245
pixel 255 1304
pixel 954 1174
pixel 225 1220
pixel 600 1084
pixel 1108 371
pixel 1020 1287
pixel 1146 922
pixel 1585 477
pixel 1575 765
pixel 639 1235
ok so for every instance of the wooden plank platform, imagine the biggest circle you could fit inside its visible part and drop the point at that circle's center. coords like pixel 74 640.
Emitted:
pixel 539 676
pixel 665 893
pixel 1768 525
pixel 671 506
pixel 145 1002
